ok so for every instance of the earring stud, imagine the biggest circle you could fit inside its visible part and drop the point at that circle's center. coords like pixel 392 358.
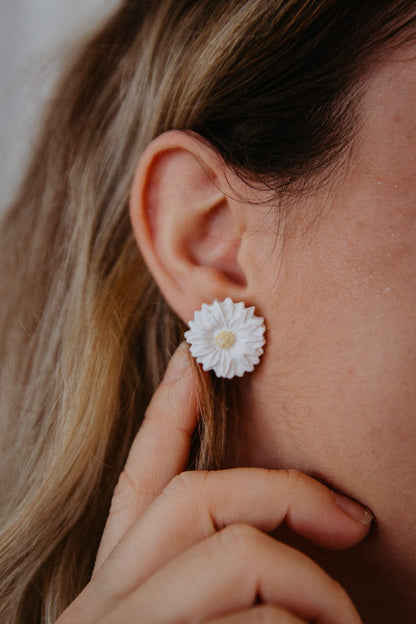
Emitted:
pixel 226 337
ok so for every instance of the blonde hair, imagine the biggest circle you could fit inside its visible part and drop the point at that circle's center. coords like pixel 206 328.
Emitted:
pixel 85 331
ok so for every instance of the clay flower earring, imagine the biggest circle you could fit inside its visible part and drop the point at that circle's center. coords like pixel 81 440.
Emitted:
pixel 226 337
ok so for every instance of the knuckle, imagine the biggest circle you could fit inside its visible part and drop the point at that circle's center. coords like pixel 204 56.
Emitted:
pixel 190 491
pixel 185 486
pixel 186 492
pixel 177 487
pixel 293 477
pixel 131 491
pixel 240 539
pixel 124 494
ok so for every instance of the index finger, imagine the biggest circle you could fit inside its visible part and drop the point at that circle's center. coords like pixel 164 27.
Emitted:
pixel 159 452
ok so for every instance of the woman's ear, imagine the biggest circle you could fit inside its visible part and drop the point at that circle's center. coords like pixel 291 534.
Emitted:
pixel 188 223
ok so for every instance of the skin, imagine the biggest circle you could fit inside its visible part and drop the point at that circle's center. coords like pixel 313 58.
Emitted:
pixel 341 404
pixel 187 547
pixel 333 397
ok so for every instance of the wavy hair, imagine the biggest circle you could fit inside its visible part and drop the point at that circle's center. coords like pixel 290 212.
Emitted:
pixel 85 333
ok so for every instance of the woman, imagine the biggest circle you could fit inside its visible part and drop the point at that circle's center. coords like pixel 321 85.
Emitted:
pixel 262 151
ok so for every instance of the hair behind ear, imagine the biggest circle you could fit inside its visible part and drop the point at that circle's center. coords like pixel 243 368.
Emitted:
pixel 84 332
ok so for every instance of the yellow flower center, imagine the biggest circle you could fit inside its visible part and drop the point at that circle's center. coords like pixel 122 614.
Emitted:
pixel 225 339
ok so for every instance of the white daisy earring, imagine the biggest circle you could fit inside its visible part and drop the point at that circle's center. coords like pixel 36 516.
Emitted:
pixel 226 337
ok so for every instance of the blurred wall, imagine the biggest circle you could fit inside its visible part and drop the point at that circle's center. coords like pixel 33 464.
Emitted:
pixel 35 36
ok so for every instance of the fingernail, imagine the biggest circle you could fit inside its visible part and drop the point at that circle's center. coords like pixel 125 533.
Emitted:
pixel 353 509
pixel 178 363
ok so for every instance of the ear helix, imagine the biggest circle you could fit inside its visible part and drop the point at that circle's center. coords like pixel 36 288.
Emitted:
pixel 226 337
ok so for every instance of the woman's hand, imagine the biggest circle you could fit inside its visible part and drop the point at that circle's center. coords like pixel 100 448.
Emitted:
pixel 192 547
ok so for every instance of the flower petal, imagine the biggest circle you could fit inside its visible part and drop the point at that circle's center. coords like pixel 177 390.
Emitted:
pixel 230 360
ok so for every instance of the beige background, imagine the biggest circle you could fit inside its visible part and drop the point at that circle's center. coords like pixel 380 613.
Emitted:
pixel 34 37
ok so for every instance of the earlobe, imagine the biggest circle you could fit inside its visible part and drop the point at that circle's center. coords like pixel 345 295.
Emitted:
pixel 187 224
